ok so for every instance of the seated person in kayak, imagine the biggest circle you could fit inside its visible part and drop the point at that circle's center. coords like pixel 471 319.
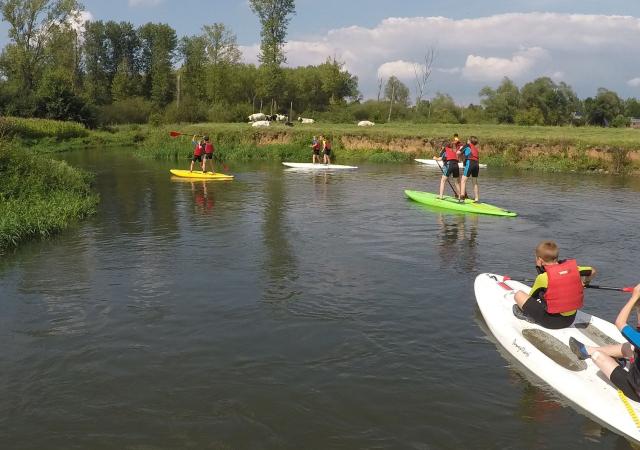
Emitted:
pixel 471 168
pixel 198 150
pixel 449 157
pixel 606 357
pixel 558 291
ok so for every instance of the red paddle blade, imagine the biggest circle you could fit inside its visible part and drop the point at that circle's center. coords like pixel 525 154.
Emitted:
pixel 627 289
pixel 175 134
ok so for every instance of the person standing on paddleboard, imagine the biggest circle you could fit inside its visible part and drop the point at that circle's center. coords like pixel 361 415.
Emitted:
pixel 315 146
pixel 471 168
pixel 606 357
pixel 197 151
pixel 558 291
pixel 208 154
pixel 326 150
pixel 449 158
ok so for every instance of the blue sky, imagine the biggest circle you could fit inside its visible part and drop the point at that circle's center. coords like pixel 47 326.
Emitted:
pixel 477 41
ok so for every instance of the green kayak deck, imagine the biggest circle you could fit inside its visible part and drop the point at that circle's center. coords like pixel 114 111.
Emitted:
pixel 427 198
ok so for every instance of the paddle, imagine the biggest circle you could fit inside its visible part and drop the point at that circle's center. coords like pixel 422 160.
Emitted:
pixel 588 286
pixel 178 133
pixel 442 170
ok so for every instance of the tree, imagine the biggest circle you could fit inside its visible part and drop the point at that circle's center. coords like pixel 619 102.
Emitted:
pixel 501 104
pixel 396 91
pixel 444 109
pixel 31 26
pixel 556 102
pixel 602 109
pixel 632 107
pixel 274 16
pixel 159 43
pixel 423 73
pixel 193 73
pixel 221 48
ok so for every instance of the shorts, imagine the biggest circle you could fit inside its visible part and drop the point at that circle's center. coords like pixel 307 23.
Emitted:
pixel 536 309
pixel 327 152
pixel 626 382
pixel 208 156
pixel 316 152
pixel 197 158
pixel 451 168
pixel 471 168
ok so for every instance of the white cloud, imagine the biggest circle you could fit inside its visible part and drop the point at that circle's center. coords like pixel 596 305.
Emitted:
pixel 134 3
pixel 478 68
pixel 403 70
pixel 634 82
pixel 519 45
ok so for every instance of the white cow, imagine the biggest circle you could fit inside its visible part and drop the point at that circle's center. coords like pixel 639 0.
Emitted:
pixel 365 123
pixel 257 116
pixel 281 118
pixel 261 123
pixel 303 120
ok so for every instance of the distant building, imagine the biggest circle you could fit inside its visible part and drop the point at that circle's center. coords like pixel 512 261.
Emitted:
pixel 635 122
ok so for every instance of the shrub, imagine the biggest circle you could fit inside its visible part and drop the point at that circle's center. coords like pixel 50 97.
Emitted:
pixel 131 110
pixel 40 128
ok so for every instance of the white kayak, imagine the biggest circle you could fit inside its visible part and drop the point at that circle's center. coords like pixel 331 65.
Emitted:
pixel 316 166
pixel 434 162
pixel 546 353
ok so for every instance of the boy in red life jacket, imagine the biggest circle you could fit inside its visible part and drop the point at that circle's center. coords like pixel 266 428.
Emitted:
pixel 471 168
pixel 558 291
pixel 606 357
pixel 315 146
pixel 326 150
pixel 208 154
pixel 449 158
pixel 197 151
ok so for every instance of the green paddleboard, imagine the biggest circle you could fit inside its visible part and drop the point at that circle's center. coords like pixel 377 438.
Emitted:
pixel 427 198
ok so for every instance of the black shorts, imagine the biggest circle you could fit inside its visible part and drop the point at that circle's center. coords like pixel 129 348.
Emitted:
pixel 316 152
pixel 471 168
pixel 327 152
pixel 451 168
pixel 536 309
pixel 208 156
pixel 625 381
pixel 197 158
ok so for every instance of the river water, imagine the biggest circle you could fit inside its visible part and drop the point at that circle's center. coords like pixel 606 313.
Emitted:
pixel 292 310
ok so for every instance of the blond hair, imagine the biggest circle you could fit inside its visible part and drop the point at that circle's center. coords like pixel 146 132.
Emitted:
pixel 548 251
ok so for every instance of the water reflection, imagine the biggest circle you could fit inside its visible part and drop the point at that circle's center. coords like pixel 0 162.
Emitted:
pixel 458 240
pixel 203 198
pixel 280 265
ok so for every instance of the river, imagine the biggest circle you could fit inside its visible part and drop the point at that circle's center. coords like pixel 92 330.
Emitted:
pixel 292 310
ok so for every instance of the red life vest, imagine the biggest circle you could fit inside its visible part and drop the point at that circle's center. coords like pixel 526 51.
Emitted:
pixel 208 148
pixel 564 287
pixel 450 154
pixel 474 156
pixel 197 150
pixel 316 146
pixel 327 145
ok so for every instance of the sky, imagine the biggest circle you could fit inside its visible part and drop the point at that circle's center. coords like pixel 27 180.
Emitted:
pixel 586 43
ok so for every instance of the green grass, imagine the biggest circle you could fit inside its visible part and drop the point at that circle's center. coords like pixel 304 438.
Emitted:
pixel 35 202
pixel 40 128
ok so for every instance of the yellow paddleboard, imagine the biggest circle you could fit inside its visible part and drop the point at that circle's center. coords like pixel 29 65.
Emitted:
pixel 201 175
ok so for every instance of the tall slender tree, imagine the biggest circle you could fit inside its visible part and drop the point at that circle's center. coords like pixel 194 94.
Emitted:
pixel 274 16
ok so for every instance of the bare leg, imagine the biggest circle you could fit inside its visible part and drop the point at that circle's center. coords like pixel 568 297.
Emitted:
pixel 605 363
pixel 457 181
pixel 191 168
pixel 476 189
pixel 521 298
pixel 463 187
pixel 442 181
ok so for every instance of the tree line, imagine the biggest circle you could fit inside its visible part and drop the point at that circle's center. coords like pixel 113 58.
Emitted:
pixel 106 72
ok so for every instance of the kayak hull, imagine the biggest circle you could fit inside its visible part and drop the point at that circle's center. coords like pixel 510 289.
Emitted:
pixel 317 166
pixel 547 355
pixel 434 163
pixel 198 174
pixel 428 198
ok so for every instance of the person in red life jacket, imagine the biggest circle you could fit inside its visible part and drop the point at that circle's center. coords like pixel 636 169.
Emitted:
pixel 197 151
pixel 208 154
pixel 558 291
pixel 326 150
pixel 607 357
pixel 315 146
pixel 450 168
pixel 471 168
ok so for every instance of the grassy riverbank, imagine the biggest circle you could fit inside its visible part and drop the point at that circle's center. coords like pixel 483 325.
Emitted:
pixel 540 148
pixel 39 196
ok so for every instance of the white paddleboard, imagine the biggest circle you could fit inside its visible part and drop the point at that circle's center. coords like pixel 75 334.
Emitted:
pixel 433 162
pixel 317 166
pixel 578 381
